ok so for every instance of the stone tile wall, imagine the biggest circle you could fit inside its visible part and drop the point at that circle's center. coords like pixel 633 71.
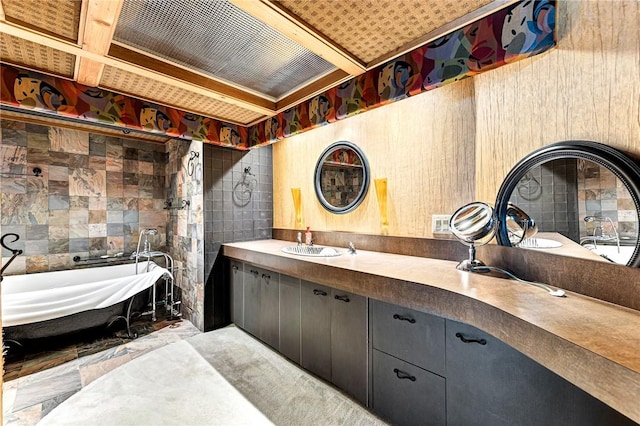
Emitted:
pixel 601 194
pixel 94 195
pixel 97 192
pixel 185 233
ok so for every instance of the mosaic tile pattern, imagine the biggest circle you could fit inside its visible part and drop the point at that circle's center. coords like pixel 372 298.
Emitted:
pixel 83 204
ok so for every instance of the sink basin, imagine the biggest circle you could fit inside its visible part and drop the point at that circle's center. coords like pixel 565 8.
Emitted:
pixel 315 251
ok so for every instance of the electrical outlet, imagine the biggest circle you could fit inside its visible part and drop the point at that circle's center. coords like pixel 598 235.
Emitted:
pixel 440 223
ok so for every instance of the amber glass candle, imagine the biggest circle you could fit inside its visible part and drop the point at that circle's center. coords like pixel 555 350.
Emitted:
pixel 295 192
pixel 381 192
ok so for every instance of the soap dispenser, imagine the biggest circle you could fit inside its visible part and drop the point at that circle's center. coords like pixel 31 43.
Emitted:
pixel 307 237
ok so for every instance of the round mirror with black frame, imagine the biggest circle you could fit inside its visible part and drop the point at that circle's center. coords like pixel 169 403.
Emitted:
pixel 586 191
pixel 341 177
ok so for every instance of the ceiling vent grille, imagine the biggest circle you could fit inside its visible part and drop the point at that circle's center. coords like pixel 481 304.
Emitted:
pixel 220 40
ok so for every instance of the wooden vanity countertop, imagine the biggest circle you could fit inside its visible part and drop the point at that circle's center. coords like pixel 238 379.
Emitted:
pixel 591 343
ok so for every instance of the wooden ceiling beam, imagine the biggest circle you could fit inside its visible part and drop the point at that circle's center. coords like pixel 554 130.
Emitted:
pixel 310 90
pixel 223 92
pixel 288 24
pixel 98 28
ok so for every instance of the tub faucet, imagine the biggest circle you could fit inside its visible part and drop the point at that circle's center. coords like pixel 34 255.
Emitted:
pixel 14 252
pixel 299 239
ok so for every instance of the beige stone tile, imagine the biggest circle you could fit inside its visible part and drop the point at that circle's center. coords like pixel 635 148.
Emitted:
pixel 67 140
pixel 90 372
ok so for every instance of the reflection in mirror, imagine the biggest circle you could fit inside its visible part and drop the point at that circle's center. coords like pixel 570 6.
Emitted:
pixel 341 177
pixel 519 225
pixel 584 198
pixel 473 224
pixel 582 201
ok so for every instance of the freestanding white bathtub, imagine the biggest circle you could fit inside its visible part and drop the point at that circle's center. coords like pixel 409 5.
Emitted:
pixel 37 299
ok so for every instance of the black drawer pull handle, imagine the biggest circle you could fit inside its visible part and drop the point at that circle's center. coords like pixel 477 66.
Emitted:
pixel 254 272
pixel 401 318
pixel 343 298
pixel 465 340
pixel 268 277
pixel 319 292
pixel 402 375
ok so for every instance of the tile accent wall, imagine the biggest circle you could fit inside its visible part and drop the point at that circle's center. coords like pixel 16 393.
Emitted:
pixel 601 194
pixel 238 207
pixel 185 228
pixel 93 196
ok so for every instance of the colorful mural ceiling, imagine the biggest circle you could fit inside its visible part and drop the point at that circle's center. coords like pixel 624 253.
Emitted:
pixel 521 30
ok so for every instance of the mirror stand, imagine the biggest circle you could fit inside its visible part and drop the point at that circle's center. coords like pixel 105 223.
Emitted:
pixel 469 264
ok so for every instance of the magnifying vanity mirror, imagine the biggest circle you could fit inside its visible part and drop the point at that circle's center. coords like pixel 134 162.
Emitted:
pixel 584 198
pixel 341 177
pixel 473 224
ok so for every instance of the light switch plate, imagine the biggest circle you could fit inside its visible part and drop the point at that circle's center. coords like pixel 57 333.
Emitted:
pixel 440 223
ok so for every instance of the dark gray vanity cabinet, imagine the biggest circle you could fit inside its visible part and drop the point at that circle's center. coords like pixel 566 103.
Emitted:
pixel 236 281
pixel 261 304
pixel 349 343
pixel 408 358
pixel 489 382
pixel 334 337
pixel 252 305
pixel 290 317
pixel 316 329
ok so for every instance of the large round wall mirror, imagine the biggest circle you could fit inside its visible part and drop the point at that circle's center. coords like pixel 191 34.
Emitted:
pixel 583 195
pixel 341 177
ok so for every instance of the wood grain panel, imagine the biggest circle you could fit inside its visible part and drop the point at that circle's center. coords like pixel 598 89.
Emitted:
pixel 588 88
pixel 423 145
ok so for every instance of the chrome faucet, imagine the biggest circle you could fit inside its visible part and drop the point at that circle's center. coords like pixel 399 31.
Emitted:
pixel 299 239
pixel 352 248
pixel 599 234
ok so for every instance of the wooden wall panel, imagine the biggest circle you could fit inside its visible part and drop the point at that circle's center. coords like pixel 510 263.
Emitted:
pixel 588 88
pixel 423 145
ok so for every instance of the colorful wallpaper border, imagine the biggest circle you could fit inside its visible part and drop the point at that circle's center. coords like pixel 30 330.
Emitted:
pixel 519 31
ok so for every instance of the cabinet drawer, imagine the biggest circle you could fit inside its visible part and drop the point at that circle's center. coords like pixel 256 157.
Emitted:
pixel 405 394
pixel 410 335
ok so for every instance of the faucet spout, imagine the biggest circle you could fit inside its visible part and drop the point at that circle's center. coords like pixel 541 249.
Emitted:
pixel 352 248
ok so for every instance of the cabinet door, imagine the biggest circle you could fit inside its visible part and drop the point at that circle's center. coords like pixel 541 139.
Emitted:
pixel 349 343
pixel 252 302
pixel 316 329
pixel 290 317
pixel 489 382
pixel 236 278
pixel 269 307
pixel 405 394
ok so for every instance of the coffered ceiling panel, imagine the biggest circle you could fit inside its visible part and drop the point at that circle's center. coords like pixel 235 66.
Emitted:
pixel 371 29
pixel 220 40
pixel 19 51
pixel 59 17
pixel 163 93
